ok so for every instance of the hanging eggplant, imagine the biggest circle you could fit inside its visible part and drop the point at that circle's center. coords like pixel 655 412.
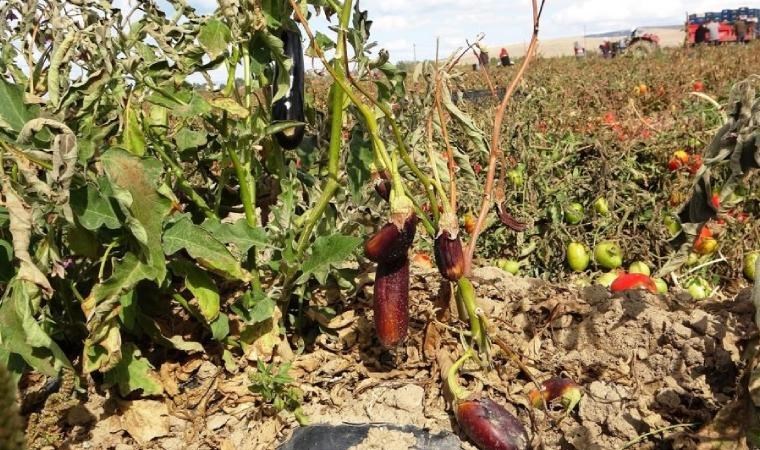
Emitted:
pixel 290 107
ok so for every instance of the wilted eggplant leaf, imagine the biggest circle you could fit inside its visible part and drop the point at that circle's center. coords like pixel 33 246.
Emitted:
pixel 187 139
pixel 20 333
pixel 229 105
pixel 21 229
pixel 357 166
pixel 139 177
pixel 133 138
pixel 214 37
pixel 101 309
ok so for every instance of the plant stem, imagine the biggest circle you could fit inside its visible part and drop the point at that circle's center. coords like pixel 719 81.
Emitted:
pixel 466 294
pixel 449 151
pixel 486 203
pixel 404 153
pixel 452 376
pixel 378 147
pixel 633 442
pixel 336 138
pixel 103 261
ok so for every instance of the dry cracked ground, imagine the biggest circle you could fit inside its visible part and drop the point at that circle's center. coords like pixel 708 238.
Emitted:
pixel 658 372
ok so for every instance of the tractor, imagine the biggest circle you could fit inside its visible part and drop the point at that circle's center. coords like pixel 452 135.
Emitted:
pixel 638 44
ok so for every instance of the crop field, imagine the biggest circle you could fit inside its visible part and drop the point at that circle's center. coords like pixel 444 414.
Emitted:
pixel 558 254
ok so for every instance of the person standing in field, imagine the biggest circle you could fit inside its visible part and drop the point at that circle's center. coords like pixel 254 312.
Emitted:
pixel 580 52
pixel 700 35
pixel 740 27
pixel 483 57
pixel 504 57
pixel 714 28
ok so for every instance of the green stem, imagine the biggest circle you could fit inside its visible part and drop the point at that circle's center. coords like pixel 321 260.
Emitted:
pixel 336 139
pixel 424 179
pixel 103 260
pixel 466 291
pixel 452 376
pixel 246 193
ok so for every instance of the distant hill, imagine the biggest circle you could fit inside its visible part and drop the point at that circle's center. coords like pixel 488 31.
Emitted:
pixel 628 32
pixel 610 34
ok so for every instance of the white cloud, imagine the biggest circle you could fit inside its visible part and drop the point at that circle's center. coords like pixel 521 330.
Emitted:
pixel 399 25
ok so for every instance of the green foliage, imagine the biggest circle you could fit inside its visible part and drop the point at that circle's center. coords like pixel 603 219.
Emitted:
pixel 129 193
pixel 274 386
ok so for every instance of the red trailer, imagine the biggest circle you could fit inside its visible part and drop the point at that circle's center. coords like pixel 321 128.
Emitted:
pixel 727 33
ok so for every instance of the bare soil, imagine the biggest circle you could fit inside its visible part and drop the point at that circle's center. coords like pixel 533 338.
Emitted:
pixel 646 363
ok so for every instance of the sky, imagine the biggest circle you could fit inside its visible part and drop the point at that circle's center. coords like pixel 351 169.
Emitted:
pixel 401 25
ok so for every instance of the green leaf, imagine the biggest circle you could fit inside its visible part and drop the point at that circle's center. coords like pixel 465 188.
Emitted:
pixel 276 127
pixel 133 138
pixel 187 139
pixel 82 242
pixel 101 309
pixel 234 108
pixel 6 261
pixel 328 251
pixel 323 41
pixel 214 37
pixel 147 208
pixel 220 328
pixel 151 328
pixel 239 234
pixel 270 47
pixel 92 209
pixel 201 286
pixel 358 163
pixel 182 103
pixel 203 247
pixel 21 333
pixel 134 373
pixel 257 307
pixel 263 309
pixel 14 113
pixel 5 218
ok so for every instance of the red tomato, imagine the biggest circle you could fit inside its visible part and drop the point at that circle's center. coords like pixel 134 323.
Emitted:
pixel 695 163
pixel 715 200
pixel 628 281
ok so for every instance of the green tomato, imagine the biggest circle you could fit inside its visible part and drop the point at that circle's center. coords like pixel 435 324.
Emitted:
pixel 577 256
pixel 639 267
pixel 692 260
pixel 662 286
pixel 698 288
pixel 608 255
pixel 606 279
pixel 750 265
pixel 581 282
pixel 672 225
pixel 515 177
pixel 574 213
pixel 509 266
pixel 601 206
